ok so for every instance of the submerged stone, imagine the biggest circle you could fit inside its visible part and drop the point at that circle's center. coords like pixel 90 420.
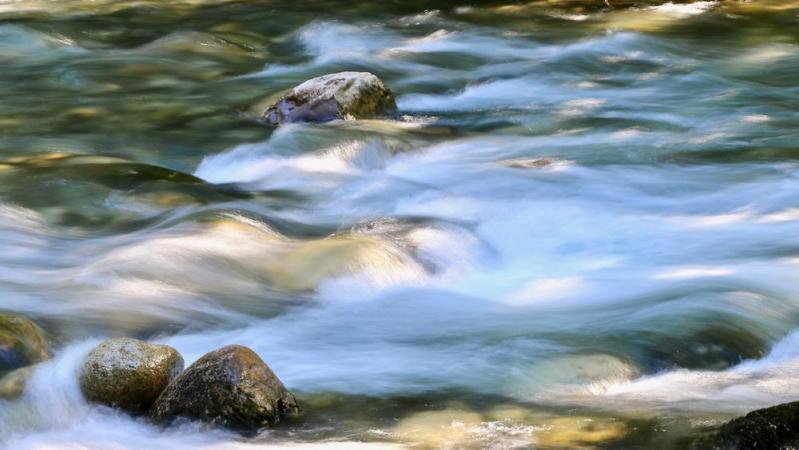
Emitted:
pixel 128 373
pixel 529 163
pixel 231 387
pixel 344 95
pixel 776 427
pixel 580 432
pixel 22 343
pixel 13 384
pixel 525 428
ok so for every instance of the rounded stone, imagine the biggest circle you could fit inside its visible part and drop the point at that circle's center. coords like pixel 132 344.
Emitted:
pixel 22 343
pixel 13 384
pixel 231 387
pixel 344 95
pixel 128 373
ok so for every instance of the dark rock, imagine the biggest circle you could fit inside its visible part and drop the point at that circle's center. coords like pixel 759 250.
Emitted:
pixel 128 374
pixel 231 387
pixel 776 427
pixel 22 343
pixel 344 95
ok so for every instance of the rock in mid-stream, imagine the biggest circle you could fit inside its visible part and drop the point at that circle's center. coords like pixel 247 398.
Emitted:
pixel 231 387
pixel 13 384
pixel 344 95
pixel 128 373
pixel 776 427
pixel 22 343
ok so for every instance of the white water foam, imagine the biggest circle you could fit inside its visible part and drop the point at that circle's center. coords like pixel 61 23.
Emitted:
pixel 747 386
pixel 684 9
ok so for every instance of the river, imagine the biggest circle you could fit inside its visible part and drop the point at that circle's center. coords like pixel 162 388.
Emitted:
pixel 581 232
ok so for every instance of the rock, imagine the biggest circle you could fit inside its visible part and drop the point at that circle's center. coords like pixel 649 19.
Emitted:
pixel 534 163
pixel 128 373
pixel 22 343
pixel 12 385
pixel 231 387
pixel 776 427
pixel 344 95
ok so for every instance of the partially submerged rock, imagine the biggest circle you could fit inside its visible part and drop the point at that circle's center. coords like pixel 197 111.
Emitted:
pixel 344 95
pixel 13 384
pixel 776 427
pixel 231 387
pixel 22 343
pixel 525 163
pixel 128 373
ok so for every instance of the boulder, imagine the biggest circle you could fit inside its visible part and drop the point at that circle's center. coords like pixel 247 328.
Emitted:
pixel 128 373
pixel 776 427
pixel 344 95
pixel 230 387
pixel 22 343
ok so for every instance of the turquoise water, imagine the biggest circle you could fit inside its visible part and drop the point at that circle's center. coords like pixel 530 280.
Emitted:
pixel 582 232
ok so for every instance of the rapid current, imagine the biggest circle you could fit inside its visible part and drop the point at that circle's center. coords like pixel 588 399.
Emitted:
pixel 582 231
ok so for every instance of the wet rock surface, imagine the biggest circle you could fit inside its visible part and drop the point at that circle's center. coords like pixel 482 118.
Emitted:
pixel 344 95
pixel 230 387
pixel 128 373
pixel 13 384
pixel 776 427
pixel 22 343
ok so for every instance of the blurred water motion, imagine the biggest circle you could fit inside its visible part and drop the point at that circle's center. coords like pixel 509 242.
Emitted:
pixel 582 232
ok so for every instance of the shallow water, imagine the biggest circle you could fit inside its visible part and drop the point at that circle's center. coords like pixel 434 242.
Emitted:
pixel 583 231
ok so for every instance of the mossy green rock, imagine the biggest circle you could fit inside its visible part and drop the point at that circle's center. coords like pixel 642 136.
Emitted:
pixel 230 387
pixel 776 427
pixel 344 95
pixel 22 343
pixel 128 373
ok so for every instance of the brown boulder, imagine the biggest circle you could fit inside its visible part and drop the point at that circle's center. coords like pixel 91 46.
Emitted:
pixel 128 373
pixel 231 387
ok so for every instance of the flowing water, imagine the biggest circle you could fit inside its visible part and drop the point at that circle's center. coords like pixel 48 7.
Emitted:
pixel 582 232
